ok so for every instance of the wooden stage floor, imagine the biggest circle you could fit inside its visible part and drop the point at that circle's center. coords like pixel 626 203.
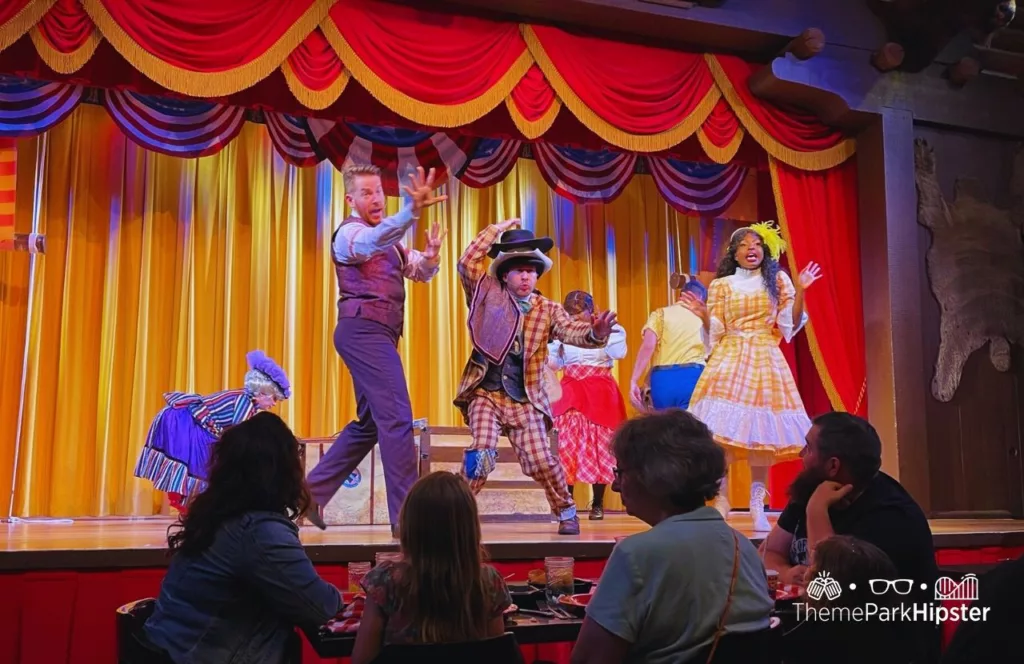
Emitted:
pixel 141 542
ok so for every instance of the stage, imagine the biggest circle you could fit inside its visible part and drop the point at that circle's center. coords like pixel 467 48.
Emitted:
pixel 84 544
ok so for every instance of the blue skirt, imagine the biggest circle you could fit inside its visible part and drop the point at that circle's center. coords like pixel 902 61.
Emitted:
pixel 177 453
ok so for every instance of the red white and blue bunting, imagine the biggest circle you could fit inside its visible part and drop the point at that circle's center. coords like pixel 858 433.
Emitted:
pixel 179 128
pixel 703 190
pixel 28 108
pixel 397 152
pixel 189 129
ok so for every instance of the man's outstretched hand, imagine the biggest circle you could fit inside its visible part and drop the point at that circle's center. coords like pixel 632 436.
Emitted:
pixel 422 189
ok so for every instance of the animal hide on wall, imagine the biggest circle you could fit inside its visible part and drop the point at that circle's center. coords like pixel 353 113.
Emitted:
pixel 975 267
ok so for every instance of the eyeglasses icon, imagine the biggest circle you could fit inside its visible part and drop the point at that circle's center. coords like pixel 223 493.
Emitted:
pixel 899 586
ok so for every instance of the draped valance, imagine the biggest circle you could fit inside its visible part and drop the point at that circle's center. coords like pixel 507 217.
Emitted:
pixel 429 68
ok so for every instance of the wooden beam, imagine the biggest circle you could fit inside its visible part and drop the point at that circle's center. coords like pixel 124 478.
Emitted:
pixel 841 85
pixel 890 280
pixel 697 28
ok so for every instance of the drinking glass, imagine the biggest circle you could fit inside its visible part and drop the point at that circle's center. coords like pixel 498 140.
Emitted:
pixel 356 572
pixel 560 578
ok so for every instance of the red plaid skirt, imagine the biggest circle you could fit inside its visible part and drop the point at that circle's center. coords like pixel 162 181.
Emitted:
pixel 590 409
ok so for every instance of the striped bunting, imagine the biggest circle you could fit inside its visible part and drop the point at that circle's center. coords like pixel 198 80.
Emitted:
pixel 585 176
pixel 28 108
pixel 174 127
pixel 292 140
pixel 706 190
pixel 493 160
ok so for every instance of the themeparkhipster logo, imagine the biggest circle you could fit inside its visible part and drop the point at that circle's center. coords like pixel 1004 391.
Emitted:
pixel 825 587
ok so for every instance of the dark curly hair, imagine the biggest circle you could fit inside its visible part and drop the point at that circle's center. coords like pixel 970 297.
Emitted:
pixel 769 266
pixel 254 467
pixel 673 455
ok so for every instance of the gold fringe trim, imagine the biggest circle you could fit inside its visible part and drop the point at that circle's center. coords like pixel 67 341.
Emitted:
pixel 807 161
pixel 23 21
pixel 206 84
pixel 721 155
pixel 435 115
pixel 812 338
pixel 604 129
pixel 59 61
pixel 743 450
pixel 310 98
pixel 532 129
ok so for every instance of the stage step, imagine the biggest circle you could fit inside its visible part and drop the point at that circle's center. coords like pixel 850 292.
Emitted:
pixel 509 495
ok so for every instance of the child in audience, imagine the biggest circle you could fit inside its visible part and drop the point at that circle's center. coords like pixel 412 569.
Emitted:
pixel 441 591
pixel 860 575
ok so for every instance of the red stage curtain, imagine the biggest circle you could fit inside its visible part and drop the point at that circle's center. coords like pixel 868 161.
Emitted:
pixel 636 97
pixel 818 215
pixel 18 16
pixel 203 48
pixel 65 37
pixel 314 72
pixel 533 104
pixel 795 138
pixel 721 134
pixel 436 69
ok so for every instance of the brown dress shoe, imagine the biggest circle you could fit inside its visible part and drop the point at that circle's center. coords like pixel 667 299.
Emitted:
pixel 313 515
pixel 596 513
pixel 569 526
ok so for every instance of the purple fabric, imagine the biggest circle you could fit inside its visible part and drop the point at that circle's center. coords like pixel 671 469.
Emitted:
pixel 493 319
pixel 259 361
pixel 374 289
pixel 384 415
pixel 180 438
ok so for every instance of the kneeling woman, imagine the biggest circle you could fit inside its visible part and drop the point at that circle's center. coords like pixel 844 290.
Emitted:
pixel 591 406
pixel 177 450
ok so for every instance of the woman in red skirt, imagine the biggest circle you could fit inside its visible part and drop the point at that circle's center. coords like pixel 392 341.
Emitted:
pixel 591 406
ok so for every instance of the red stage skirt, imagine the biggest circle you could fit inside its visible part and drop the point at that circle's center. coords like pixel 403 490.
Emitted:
pixel 590 409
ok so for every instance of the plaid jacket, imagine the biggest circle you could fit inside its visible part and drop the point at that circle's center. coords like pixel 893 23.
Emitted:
pixel 545 321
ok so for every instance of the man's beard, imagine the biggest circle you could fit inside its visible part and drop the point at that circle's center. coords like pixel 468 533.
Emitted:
pixel 804 484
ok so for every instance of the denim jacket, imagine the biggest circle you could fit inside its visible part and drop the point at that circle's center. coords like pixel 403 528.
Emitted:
pixel 238 601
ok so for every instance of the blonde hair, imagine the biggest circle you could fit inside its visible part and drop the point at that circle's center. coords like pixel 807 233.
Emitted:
pixel 257 382
pixel 351 171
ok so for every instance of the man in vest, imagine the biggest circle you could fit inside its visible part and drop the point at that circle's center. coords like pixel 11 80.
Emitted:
pixel 371 265
pixel 502 386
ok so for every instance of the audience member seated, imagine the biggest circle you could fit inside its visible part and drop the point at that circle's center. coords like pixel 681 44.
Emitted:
pixel 853 621
pixel 441 592
pixel 239 581
pixel 664 592
pixel 841 491
pixel 995 640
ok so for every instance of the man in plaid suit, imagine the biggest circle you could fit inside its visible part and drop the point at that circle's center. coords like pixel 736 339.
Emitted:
pixel 502 388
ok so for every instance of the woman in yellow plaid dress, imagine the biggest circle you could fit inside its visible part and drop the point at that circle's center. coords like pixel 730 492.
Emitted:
pixel 746 394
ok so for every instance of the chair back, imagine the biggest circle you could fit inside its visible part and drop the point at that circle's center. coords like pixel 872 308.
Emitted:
pixel 760 647
pixel 503 649
pixel 132 647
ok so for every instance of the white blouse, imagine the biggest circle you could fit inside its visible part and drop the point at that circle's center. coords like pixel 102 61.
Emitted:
pixel 563 355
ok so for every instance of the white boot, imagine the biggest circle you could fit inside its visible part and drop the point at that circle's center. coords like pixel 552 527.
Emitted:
pixel 758 493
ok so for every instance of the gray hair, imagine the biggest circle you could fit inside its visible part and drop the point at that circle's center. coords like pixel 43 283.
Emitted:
pixel 673 456
pixel 257 382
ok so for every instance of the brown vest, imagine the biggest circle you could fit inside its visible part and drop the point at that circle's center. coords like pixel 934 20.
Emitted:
pixel 375 289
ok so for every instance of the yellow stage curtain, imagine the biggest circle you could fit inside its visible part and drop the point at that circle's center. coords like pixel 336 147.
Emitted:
pixel 161 273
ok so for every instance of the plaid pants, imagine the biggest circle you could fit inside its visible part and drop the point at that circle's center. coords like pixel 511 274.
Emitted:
pixel 491 413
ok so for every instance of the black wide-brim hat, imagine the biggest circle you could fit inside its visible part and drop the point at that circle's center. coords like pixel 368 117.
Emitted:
pixel 520 240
